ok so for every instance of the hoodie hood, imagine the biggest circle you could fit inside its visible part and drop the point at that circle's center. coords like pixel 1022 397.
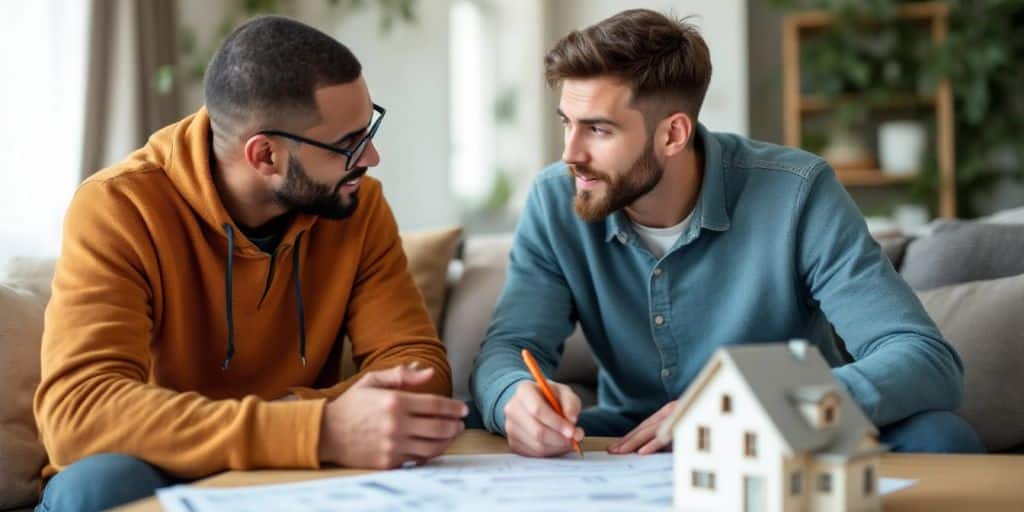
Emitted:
pixel 184 151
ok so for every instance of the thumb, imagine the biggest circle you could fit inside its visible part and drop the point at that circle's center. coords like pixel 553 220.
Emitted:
pixel 399 377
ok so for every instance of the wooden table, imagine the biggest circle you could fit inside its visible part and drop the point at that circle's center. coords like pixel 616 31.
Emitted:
pixel 945 482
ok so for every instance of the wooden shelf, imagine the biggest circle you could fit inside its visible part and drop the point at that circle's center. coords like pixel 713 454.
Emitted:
pixel 814 103
pixel 933 16
pixel 918 11
pixel 871 178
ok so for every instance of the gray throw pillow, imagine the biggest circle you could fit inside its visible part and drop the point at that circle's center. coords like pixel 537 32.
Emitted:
pixel 983 321
pixel 960 252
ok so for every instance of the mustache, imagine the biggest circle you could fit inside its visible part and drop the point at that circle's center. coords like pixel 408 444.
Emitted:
pixel 582 171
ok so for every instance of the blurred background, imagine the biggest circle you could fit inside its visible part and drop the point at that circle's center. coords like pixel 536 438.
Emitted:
pixel 918 106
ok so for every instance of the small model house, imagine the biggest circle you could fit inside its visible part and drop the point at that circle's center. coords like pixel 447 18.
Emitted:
pixel 766 427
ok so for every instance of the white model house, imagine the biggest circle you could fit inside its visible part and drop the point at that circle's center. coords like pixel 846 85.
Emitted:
pixel 766 427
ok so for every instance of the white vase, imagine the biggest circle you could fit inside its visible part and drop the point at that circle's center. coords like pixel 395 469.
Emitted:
pixel 901 146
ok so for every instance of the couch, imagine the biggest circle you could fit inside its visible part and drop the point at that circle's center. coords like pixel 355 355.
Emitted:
pixel 969 275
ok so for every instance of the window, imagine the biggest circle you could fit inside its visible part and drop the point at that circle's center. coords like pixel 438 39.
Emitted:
pixel 796 483
pixel 750 444
pixel 45 60
pixel 703 439
pixel 869 480
pixel 726 404
pixel 825 483
pixel 702 479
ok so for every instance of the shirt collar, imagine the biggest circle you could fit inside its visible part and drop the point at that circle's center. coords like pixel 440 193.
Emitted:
pixel 710 211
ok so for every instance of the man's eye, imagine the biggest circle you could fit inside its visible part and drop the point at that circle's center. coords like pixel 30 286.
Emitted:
pixel 599 131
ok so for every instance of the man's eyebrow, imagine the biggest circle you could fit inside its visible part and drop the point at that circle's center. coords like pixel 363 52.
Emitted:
pixel 591 120
pixel 354 133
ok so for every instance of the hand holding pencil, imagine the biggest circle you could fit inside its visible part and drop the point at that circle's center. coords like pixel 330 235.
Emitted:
pixel 540 419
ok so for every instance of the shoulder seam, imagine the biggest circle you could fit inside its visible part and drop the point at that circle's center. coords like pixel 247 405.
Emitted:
pixel 803 171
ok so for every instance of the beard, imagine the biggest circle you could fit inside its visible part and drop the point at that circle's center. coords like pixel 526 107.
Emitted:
pixel 303 195
pixel 619 191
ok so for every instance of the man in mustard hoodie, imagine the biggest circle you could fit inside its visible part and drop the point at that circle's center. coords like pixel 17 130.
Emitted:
pixel 206 281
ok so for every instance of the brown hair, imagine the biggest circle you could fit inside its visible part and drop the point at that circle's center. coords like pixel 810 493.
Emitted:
pixel 663 59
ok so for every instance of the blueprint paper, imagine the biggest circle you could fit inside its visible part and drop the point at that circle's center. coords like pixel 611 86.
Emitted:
pixel 500 483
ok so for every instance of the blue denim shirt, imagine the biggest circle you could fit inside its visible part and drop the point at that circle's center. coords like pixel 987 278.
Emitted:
pixel 776 250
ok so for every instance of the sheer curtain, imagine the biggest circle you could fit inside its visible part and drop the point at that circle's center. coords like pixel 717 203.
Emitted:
pixel 77 96
pixel 41 107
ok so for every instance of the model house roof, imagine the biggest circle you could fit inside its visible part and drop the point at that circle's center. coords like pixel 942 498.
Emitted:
pixel 782 377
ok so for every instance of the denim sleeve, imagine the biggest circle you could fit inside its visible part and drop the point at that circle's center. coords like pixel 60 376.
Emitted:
pixel 902 364
pixel 534 311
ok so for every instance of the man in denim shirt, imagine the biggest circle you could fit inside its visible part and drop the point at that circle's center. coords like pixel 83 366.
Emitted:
pixel 666 241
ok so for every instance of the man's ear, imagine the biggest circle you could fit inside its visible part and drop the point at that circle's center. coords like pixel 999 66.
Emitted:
pixel 675 131
pixel 262 154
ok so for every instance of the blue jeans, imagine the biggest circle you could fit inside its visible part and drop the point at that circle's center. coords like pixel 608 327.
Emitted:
pixel 102 481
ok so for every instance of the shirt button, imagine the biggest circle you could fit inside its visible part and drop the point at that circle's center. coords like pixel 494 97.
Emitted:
pixel 666 373
pixel 622 238
pixel 657 272
pixel 658 320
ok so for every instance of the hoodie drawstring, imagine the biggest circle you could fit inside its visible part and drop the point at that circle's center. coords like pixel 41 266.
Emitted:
pixel 230 232
pixel 298 298
pixel 227 291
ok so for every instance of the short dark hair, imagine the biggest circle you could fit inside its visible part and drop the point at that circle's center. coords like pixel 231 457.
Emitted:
pixel 266 72
pixel 661 58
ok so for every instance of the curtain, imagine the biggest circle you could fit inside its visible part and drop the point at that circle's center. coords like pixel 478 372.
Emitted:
pixel 128 41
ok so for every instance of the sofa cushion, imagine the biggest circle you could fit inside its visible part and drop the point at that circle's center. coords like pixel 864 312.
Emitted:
pixel 470 308
pixel 428 253
pixel 963 251
pixel 21 455
pixel 983 321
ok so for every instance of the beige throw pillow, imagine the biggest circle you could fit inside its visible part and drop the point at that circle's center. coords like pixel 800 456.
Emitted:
pixel 21 455
pixel 429 252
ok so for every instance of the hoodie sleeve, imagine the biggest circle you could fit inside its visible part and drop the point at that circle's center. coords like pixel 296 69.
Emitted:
pixel 386 318
pixel 95 396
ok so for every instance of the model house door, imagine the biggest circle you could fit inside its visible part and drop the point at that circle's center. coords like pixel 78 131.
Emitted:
pixel 753 494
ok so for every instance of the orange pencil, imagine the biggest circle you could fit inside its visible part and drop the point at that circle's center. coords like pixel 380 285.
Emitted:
pixel 531 363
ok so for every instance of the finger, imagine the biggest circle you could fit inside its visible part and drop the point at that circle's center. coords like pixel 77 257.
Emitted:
pixel 423 449
pixel 538 407
pixel 652 446
pixel 528 437
pixel 432 428
pixel 399 377
pixel 570 402
pixel 617 445
pixel 638 438
pixel 422 404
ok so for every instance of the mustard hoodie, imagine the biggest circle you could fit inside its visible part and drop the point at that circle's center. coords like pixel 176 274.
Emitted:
pixel 139 328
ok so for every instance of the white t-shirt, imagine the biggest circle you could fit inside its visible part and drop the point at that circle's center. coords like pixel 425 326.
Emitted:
pixel 660 240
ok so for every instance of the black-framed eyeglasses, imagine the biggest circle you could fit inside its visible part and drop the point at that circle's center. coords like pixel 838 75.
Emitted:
pixel 353 155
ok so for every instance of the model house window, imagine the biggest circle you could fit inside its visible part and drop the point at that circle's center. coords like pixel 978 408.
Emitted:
pixel 726 404
pixel 869 480
pixel 825 482
pixel 703 439
pixel 703 479
pixel 750 444
pixel 796 483
pixel 830 414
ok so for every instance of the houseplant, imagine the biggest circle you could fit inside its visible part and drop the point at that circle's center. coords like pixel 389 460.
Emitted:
pixel 865 58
